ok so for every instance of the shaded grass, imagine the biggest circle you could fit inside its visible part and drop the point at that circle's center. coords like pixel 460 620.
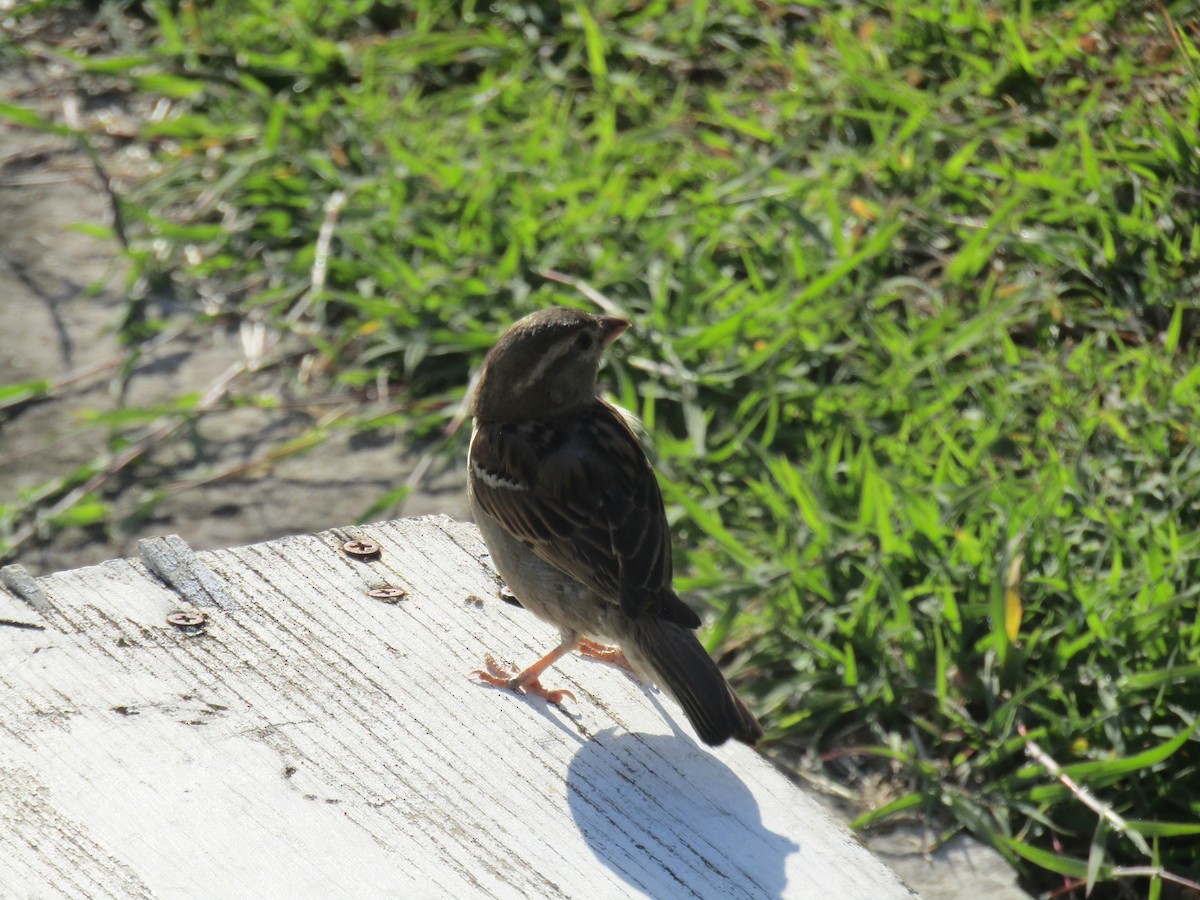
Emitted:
pixel 915 292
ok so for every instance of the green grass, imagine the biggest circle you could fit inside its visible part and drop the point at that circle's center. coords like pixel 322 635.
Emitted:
pixel 915 290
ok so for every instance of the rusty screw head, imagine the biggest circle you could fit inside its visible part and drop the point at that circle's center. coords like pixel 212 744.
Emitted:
pixel 388 594
pixel 187 618
pixel 361 549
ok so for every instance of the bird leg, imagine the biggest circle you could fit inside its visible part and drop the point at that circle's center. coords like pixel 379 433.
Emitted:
pixel 614 655
pixel 526 682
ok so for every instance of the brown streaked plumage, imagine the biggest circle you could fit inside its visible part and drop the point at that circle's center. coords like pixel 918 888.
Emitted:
pixel 570 509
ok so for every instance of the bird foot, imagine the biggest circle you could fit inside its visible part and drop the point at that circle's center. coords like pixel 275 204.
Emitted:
pixel 510 678
pixel 614 655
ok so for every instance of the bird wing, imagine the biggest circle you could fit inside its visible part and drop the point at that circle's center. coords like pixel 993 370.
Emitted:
pixel 581 494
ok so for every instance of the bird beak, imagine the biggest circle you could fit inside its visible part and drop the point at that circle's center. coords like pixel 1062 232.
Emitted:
pixel 611 328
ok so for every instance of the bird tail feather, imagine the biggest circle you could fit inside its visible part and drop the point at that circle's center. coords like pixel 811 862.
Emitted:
pixel 678 662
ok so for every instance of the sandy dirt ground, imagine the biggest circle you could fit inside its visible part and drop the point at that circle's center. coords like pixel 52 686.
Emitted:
pixel 53 323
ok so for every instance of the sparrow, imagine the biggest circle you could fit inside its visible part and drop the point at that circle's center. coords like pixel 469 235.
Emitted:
pixel 573 518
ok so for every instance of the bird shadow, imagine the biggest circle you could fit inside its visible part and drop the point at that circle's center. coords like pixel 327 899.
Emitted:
pixel 662 813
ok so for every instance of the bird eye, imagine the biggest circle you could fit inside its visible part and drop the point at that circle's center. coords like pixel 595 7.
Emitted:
pixel 584 342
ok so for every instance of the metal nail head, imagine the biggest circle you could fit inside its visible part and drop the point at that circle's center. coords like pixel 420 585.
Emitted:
pixel 388 594
pixel 187 618
pixel 361 549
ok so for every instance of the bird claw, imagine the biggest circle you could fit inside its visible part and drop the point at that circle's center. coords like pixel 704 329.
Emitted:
pixel 507 676
pixel 550 696
pixel 613 655
pixel 499 674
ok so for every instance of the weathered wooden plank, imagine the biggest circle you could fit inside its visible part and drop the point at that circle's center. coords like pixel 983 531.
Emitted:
pixel 23 603
pixel 313 741
pixel 178 566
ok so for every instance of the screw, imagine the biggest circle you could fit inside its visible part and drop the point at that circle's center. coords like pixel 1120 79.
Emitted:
pixel 389 594
pixel 361 549
pixel 183 618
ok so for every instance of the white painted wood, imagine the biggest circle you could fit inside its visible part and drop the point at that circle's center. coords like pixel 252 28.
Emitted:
pixel 23 602
pixel 314 742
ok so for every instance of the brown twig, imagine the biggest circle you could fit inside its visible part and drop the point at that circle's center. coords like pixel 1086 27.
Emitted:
pixel 316 278
pixel 1086 797
pixel 1073 884
pixel 71 117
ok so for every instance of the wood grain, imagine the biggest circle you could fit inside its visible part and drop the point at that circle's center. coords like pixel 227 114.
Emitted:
pixel 311 741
